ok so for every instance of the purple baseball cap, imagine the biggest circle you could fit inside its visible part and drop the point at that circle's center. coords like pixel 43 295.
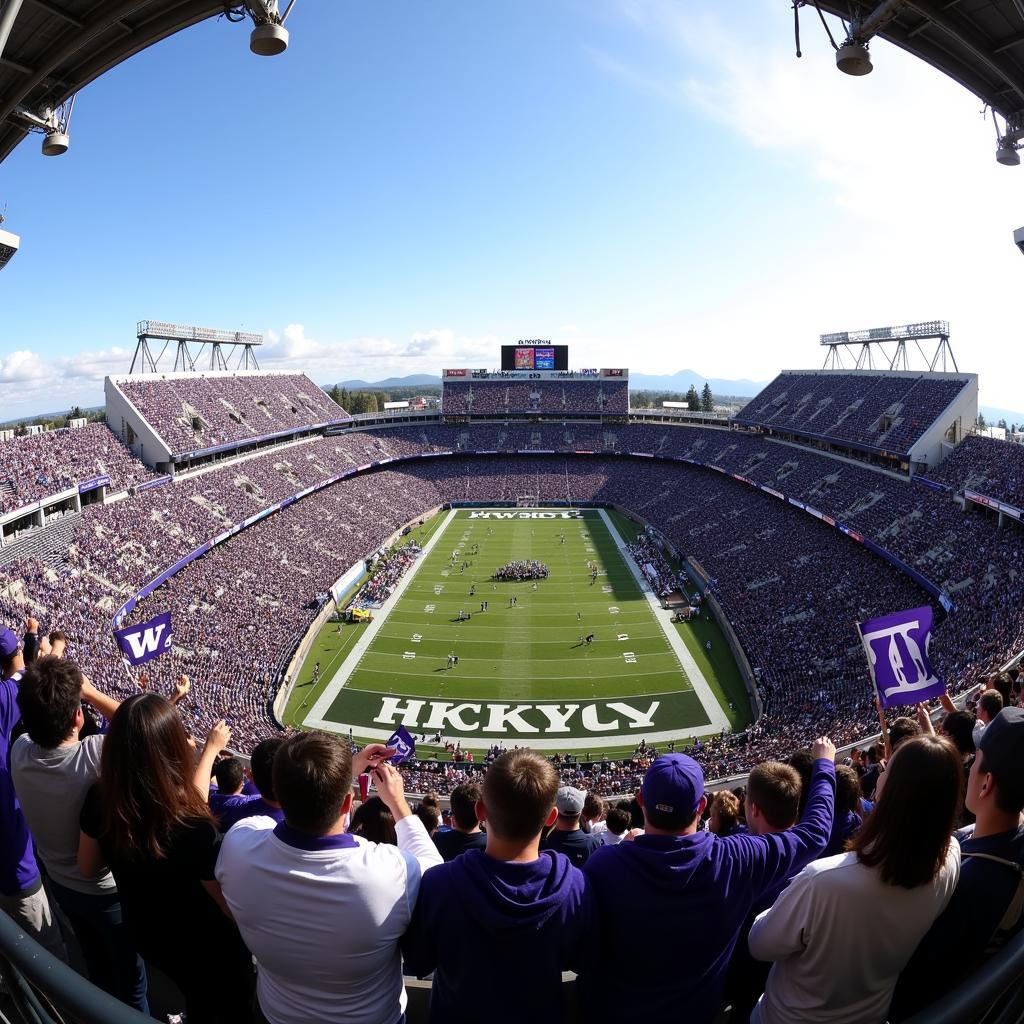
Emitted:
pixel 9 642
pixel 673 784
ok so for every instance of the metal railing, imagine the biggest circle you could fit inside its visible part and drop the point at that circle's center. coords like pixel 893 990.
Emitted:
pixel 994 994
pixel 37 988
pixel 40 989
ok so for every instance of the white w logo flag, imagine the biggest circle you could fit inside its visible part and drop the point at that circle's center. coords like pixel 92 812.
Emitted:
pixel 145 641
pixel 897 651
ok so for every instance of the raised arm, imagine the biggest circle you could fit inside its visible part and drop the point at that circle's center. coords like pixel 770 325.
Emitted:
pixel 412 836
pixel 103 703
pixel 219 737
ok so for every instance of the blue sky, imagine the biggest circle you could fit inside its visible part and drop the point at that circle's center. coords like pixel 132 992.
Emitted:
pixel 659 184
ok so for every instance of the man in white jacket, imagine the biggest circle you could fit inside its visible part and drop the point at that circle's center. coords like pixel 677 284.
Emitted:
pixel 322 910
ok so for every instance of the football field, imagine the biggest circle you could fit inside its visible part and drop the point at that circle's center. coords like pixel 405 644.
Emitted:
pixel 525 670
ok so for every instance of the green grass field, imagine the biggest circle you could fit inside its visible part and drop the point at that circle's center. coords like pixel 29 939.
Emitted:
pixel 524 674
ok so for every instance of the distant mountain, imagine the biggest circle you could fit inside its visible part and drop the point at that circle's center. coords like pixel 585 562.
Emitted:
pixel 415 380
pixel 993 415
pixel 682 380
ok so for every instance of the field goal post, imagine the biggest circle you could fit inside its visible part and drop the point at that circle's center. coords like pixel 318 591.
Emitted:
pixel 527 501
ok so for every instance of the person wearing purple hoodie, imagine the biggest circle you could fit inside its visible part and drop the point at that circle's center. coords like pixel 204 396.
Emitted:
pixel 510 910
pixel 688 893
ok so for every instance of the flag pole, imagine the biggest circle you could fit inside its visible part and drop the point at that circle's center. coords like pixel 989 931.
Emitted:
pixel 883 725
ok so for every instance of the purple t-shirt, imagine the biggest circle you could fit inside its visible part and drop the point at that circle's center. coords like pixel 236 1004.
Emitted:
pixel 234 807
pixel 18 869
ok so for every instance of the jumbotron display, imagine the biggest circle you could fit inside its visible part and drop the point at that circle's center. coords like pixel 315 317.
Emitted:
pixel 535 354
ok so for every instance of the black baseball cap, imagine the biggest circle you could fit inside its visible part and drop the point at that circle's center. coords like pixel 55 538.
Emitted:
pixel 1002 743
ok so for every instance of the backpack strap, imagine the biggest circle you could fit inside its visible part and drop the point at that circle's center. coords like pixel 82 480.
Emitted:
pixel 1015 908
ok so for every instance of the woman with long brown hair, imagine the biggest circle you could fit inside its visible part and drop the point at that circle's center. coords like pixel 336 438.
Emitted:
pixel 846 926
pixel 148 822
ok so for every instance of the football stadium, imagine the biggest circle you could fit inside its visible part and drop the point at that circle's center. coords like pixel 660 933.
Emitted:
pixel 528 699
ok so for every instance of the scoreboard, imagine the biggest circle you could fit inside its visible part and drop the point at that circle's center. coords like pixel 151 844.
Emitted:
pixel 535 354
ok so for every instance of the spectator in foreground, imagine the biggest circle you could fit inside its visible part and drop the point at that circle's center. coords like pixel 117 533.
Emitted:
pixel 990 703
pixel 984 911
pixel 146 820
pixel 567 837
pixel 847 819
pixel 322 910
pixel 465 833
pixel 263 802
pixel 53 771
pixel 531 909
pixel 847 925
pixel 618 825
pixel 673 873
pixel 22 894
pixel 724 819
pixel 373 822
pixel 773 800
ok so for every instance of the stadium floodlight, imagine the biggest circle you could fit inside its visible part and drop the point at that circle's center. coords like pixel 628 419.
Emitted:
pixel 9 243
pixel 55 143
pixel 1007 155
pixel 1018 239
pixel 269 37
pixel 54 123
pixel 1010 139
pixel 852 58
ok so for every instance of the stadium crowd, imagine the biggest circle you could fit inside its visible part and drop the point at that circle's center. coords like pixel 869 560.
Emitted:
pixel 191 413
pixel 550 397
pixel 37 466
pixel 275 899
pixel 790 585
pixel 889 411
pixel 984 464
pixel 386 574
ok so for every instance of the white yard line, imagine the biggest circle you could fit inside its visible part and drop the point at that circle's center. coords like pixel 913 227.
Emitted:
pixel 663 616
pixel 333 688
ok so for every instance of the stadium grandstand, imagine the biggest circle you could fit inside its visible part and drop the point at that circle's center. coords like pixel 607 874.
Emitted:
pixel 173 832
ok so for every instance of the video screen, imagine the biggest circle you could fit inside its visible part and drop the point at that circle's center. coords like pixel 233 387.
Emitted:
pixel 535 357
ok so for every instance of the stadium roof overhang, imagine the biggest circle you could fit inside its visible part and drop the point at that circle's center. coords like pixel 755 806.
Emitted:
pixel 978 43
pixel 50 49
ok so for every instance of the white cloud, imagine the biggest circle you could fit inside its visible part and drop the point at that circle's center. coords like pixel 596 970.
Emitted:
pixel 923 214
pixel 374 358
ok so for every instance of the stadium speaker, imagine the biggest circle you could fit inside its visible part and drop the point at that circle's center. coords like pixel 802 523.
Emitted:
pixel 853 59
pixel 268 40
pixel 55 143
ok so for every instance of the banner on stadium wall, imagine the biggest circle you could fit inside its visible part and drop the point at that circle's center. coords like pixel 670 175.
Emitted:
pixel 774 493
pixel 896 648
pixel 933 484
pixel 993 503
pixel 150 484
pixel 93 483
pixel 145 641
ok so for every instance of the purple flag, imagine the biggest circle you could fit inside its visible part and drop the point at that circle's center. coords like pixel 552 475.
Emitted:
pixel 145 641
pixel 896 647
pixel 403 742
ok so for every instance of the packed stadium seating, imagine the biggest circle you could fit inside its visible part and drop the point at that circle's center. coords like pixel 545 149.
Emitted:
pixel 991 467
pixel 32 468
pixel 549 397
pixel 192 413
pixel 789 584
pixel 886 411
